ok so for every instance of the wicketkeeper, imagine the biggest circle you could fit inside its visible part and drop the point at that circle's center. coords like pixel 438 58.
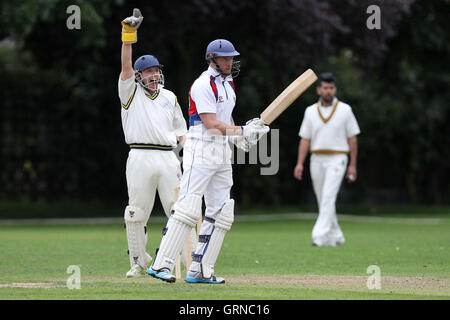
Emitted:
pixel 152 124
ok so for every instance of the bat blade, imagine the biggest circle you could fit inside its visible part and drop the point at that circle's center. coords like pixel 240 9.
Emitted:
pixel 288 96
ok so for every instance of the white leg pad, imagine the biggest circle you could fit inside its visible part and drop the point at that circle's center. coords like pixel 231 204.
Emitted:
pixel 222 225
pixel 187 213
pixel 188 210
pixel 135 222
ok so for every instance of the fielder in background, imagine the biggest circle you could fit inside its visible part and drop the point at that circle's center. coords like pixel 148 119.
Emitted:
pixel 152 123
pixel 207 168
pixel 329 131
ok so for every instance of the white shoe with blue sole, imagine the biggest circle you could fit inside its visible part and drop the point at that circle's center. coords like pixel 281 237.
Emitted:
pixel 197 277
pixel 161 275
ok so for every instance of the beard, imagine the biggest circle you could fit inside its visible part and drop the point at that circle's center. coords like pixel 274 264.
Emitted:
pixel 327 99
pixel 224 71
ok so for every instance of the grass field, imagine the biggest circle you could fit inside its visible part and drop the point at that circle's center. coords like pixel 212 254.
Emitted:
pixel 266 260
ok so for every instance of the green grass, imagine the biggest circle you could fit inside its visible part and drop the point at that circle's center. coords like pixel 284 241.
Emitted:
pixel 276 257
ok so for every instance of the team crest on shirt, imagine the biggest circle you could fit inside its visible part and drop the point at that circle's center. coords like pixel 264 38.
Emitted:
pixel 220 99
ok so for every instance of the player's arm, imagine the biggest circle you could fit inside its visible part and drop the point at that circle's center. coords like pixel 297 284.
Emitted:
pixel 303 148
pixel 179 124
pixel 351 170
pixel 211 123
pixel 352 130
pixel 253 130
pixel 305 134
pixel 129 36
pixel 202 97
pixel 127 65
pixel 127 86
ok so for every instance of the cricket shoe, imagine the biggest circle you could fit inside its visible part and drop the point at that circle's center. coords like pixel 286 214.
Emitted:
pixel 135 271
pixel 197 277
pixel 161 274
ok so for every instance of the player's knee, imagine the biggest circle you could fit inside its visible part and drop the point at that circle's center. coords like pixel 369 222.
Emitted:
pixel 225 218
pixel 188 210
pixel 134 214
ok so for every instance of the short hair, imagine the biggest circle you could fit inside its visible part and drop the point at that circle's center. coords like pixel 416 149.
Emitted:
pixel 326 77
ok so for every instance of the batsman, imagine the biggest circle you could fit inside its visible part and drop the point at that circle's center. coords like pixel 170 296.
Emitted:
pixel 207 168
pixel 152 123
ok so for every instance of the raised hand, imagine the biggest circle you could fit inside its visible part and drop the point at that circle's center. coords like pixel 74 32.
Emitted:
pixel 130 26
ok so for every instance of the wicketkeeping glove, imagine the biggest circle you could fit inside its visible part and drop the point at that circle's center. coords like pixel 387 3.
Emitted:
pixel 130 26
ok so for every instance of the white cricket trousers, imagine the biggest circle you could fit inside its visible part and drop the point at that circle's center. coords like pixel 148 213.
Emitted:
pixel 148 171
pixel 327 172
pixel 207 172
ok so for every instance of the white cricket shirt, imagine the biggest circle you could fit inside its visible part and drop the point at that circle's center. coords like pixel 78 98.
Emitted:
pixel 210 93
pixel 149 119
pixel 328 128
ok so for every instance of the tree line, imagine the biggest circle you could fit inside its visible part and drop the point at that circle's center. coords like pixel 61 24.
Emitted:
pixel 60 117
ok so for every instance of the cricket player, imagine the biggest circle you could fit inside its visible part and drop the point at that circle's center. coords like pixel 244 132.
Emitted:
pixel 152 122
pixel 328 131
pixel 207 168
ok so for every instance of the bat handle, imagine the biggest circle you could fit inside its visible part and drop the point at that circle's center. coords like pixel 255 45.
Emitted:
pixel 261 121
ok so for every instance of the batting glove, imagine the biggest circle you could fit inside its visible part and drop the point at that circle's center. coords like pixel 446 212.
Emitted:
pixel 240 142
pixel 254 130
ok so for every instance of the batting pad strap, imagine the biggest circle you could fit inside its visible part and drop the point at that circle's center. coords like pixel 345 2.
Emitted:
pixel 225 218
pixel 188 210
pixel 210 220
pixel 204 238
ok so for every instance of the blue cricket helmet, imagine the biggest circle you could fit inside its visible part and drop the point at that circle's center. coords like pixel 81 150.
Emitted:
pixel 145 62
pixel 220 48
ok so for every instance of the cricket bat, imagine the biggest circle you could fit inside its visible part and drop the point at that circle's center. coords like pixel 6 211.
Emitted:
pixel 288 96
